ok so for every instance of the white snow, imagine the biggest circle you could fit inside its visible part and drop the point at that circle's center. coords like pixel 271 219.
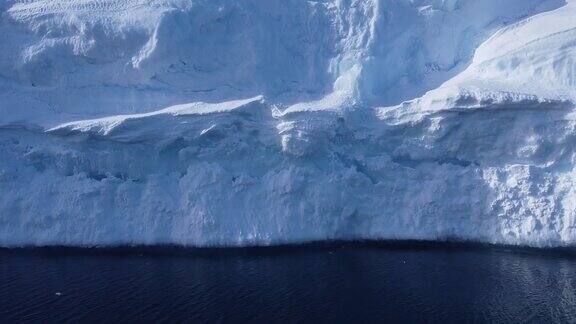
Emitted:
pixel 242 122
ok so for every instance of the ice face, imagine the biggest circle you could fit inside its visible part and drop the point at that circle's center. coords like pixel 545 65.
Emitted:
pixel 213 123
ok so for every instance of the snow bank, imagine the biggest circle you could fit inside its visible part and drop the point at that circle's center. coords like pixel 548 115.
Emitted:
pixel 212 123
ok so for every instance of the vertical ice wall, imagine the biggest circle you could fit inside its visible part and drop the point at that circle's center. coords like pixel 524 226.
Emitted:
pixel 263 122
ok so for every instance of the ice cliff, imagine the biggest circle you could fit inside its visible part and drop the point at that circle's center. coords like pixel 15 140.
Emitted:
pixel 243 122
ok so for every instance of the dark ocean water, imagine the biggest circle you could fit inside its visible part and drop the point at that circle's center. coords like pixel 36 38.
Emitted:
pixel 337 283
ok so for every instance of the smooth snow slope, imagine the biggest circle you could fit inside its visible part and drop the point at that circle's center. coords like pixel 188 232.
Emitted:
pixel 241 122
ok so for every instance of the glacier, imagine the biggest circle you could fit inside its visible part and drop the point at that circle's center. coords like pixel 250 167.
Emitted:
pixel 247 122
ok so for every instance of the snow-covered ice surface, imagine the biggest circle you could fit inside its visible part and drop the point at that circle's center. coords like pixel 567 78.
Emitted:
pixel 243 122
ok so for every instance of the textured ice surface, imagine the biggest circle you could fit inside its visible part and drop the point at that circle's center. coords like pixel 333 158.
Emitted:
pixel 241 122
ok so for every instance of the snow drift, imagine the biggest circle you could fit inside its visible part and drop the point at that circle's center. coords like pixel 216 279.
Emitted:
pixel 218 122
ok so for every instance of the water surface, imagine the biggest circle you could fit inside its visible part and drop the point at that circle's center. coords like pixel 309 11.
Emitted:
pixel 338 283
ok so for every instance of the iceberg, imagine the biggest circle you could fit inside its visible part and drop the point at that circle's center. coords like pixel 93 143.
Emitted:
pixel 246 122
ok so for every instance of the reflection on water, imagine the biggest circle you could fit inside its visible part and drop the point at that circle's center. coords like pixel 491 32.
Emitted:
pixel 336 283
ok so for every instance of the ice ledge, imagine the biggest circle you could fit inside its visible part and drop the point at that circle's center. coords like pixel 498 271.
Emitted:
pixel 104 126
